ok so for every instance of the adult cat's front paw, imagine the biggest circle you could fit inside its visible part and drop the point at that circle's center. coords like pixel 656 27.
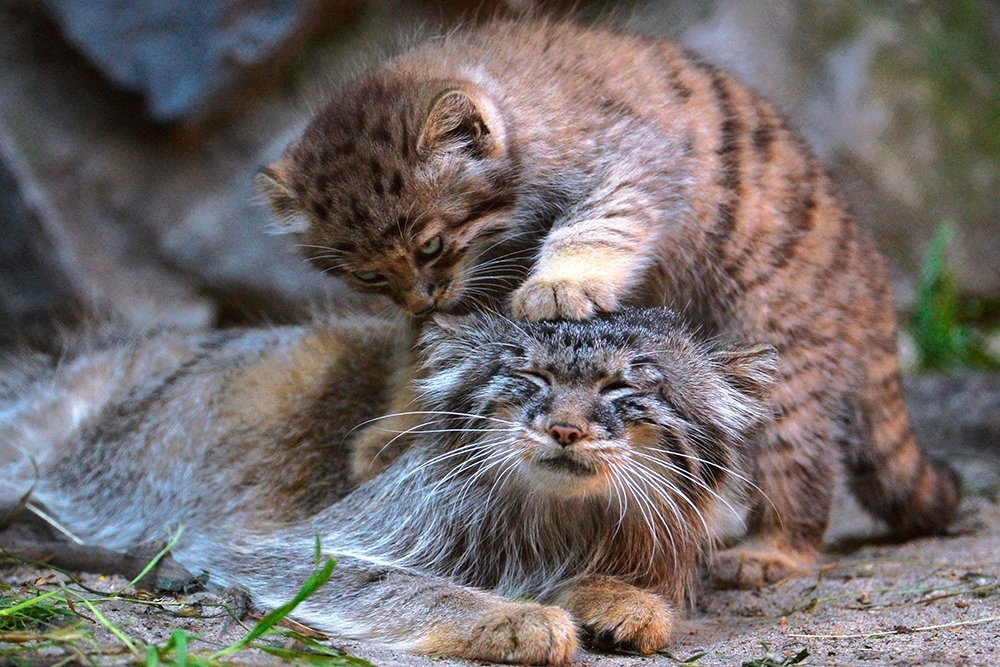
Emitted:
pixel 635 620
pixel 524 633
pixel 550 299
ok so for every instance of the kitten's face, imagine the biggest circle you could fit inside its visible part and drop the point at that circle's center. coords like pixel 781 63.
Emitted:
pixel 402 191
pixel 586 409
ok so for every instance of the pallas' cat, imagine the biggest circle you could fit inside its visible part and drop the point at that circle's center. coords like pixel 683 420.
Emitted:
pixel 564 474
pixel 563 171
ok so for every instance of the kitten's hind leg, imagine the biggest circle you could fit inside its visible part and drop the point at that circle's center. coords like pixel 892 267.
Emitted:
pixel 618 613
pixel 795 472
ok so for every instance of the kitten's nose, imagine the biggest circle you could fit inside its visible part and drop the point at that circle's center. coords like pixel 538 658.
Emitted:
pixel 439 287
pixel 565 434
pixel 424 311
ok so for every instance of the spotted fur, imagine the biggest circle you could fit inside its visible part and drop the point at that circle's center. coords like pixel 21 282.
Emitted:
pixel 570 170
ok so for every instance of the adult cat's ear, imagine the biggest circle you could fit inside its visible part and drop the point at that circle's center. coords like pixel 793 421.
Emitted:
pixel 272 183
pixel 751 370
pixel 462 118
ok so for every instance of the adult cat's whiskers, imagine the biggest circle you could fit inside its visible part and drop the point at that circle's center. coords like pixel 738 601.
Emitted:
pixel 725 469
pixel 647 510
pixel 653 478
pixel 678 470
pixel 429 412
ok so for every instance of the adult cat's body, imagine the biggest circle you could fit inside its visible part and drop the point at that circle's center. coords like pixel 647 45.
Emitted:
pixel 580 465
pixel 570 170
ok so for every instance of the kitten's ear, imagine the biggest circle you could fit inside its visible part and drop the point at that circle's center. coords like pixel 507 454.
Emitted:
pixel 272 182
pixel 465 119
pixel 752 370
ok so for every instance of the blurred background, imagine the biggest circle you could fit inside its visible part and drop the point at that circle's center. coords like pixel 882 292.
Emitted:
pixel 130 131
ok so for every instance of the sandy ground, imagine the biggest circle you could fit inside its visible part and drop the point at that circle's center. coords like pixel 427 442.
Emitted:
pixel 930 601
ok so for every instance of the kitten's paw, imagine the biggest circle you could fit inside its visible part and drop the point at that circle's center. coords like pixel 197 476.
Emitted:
pixel 524 633
pixel 543 299
pixel 756 567
pixel 633 621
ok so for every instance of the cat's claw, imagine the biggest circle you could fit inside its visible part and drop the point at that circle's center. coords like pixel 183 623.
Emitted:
pixel 633 621
pixel 524 633
pixel 548 299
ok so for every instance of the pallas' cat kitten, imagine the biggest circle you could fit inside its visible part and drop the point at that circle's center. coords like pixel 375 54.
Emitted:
pixel 565 171
pixel 579 465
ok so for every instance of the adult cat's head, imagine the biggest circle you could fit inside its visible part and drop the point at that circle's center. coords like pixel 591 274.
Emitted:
pixel 626 402
pixel 405 186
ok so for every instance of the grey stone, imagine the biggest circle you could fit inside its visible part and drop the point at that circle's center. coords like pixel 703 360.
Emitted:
pixel 957 418
pixel 33 285
pixel 181 56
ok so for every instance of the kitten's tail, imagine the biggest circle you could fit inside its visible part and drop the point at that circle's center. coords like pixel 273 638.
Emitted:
pixel 896 481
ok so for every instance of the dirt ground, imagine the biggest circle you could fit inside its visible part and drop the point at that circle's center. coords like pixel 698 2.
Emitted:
pixel 926 602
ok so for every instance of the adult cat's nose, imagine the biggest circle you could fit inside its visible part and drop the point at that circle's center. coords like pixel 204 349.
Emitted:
pixel 565 434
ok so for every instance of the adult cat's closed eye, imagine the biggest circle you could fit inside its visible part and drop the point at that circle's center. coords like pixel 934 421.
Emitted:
pixel 567 171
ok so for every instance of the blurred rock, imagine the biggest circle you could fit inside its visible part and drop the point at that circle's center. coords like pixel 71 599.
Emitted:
pixel 184 58
pixel 159 231
pixel 66 165
pixel 34 286
pixel 957 418
pixel 962 409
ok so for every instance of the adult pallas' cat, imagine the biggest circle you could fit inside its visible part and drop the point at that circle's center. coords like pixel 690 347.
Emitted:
pixel 565 171
pixel 578 465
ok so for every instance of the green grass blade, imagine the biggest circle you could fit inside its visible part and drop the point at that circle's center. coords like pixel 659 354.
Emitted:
pixel 311 585
pixel 171 543
pixel 180 648
pixel 31 602
pixel 112 628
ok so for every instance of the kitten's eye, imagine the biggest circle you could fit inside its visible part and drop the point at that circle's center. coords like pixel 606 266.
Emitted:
pixel 617 388
pixel 539 378
pixel 369 277
pixel 431 248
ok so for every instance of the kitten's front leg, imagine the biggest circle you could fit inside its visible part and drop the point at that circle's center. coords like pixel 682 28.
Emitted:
pixel 628 617
pixel 587 266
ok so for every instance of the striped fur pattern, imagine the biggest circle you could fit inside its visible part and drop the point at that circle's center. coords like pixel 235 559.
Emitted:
pixel 562 171
pixel 239 436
